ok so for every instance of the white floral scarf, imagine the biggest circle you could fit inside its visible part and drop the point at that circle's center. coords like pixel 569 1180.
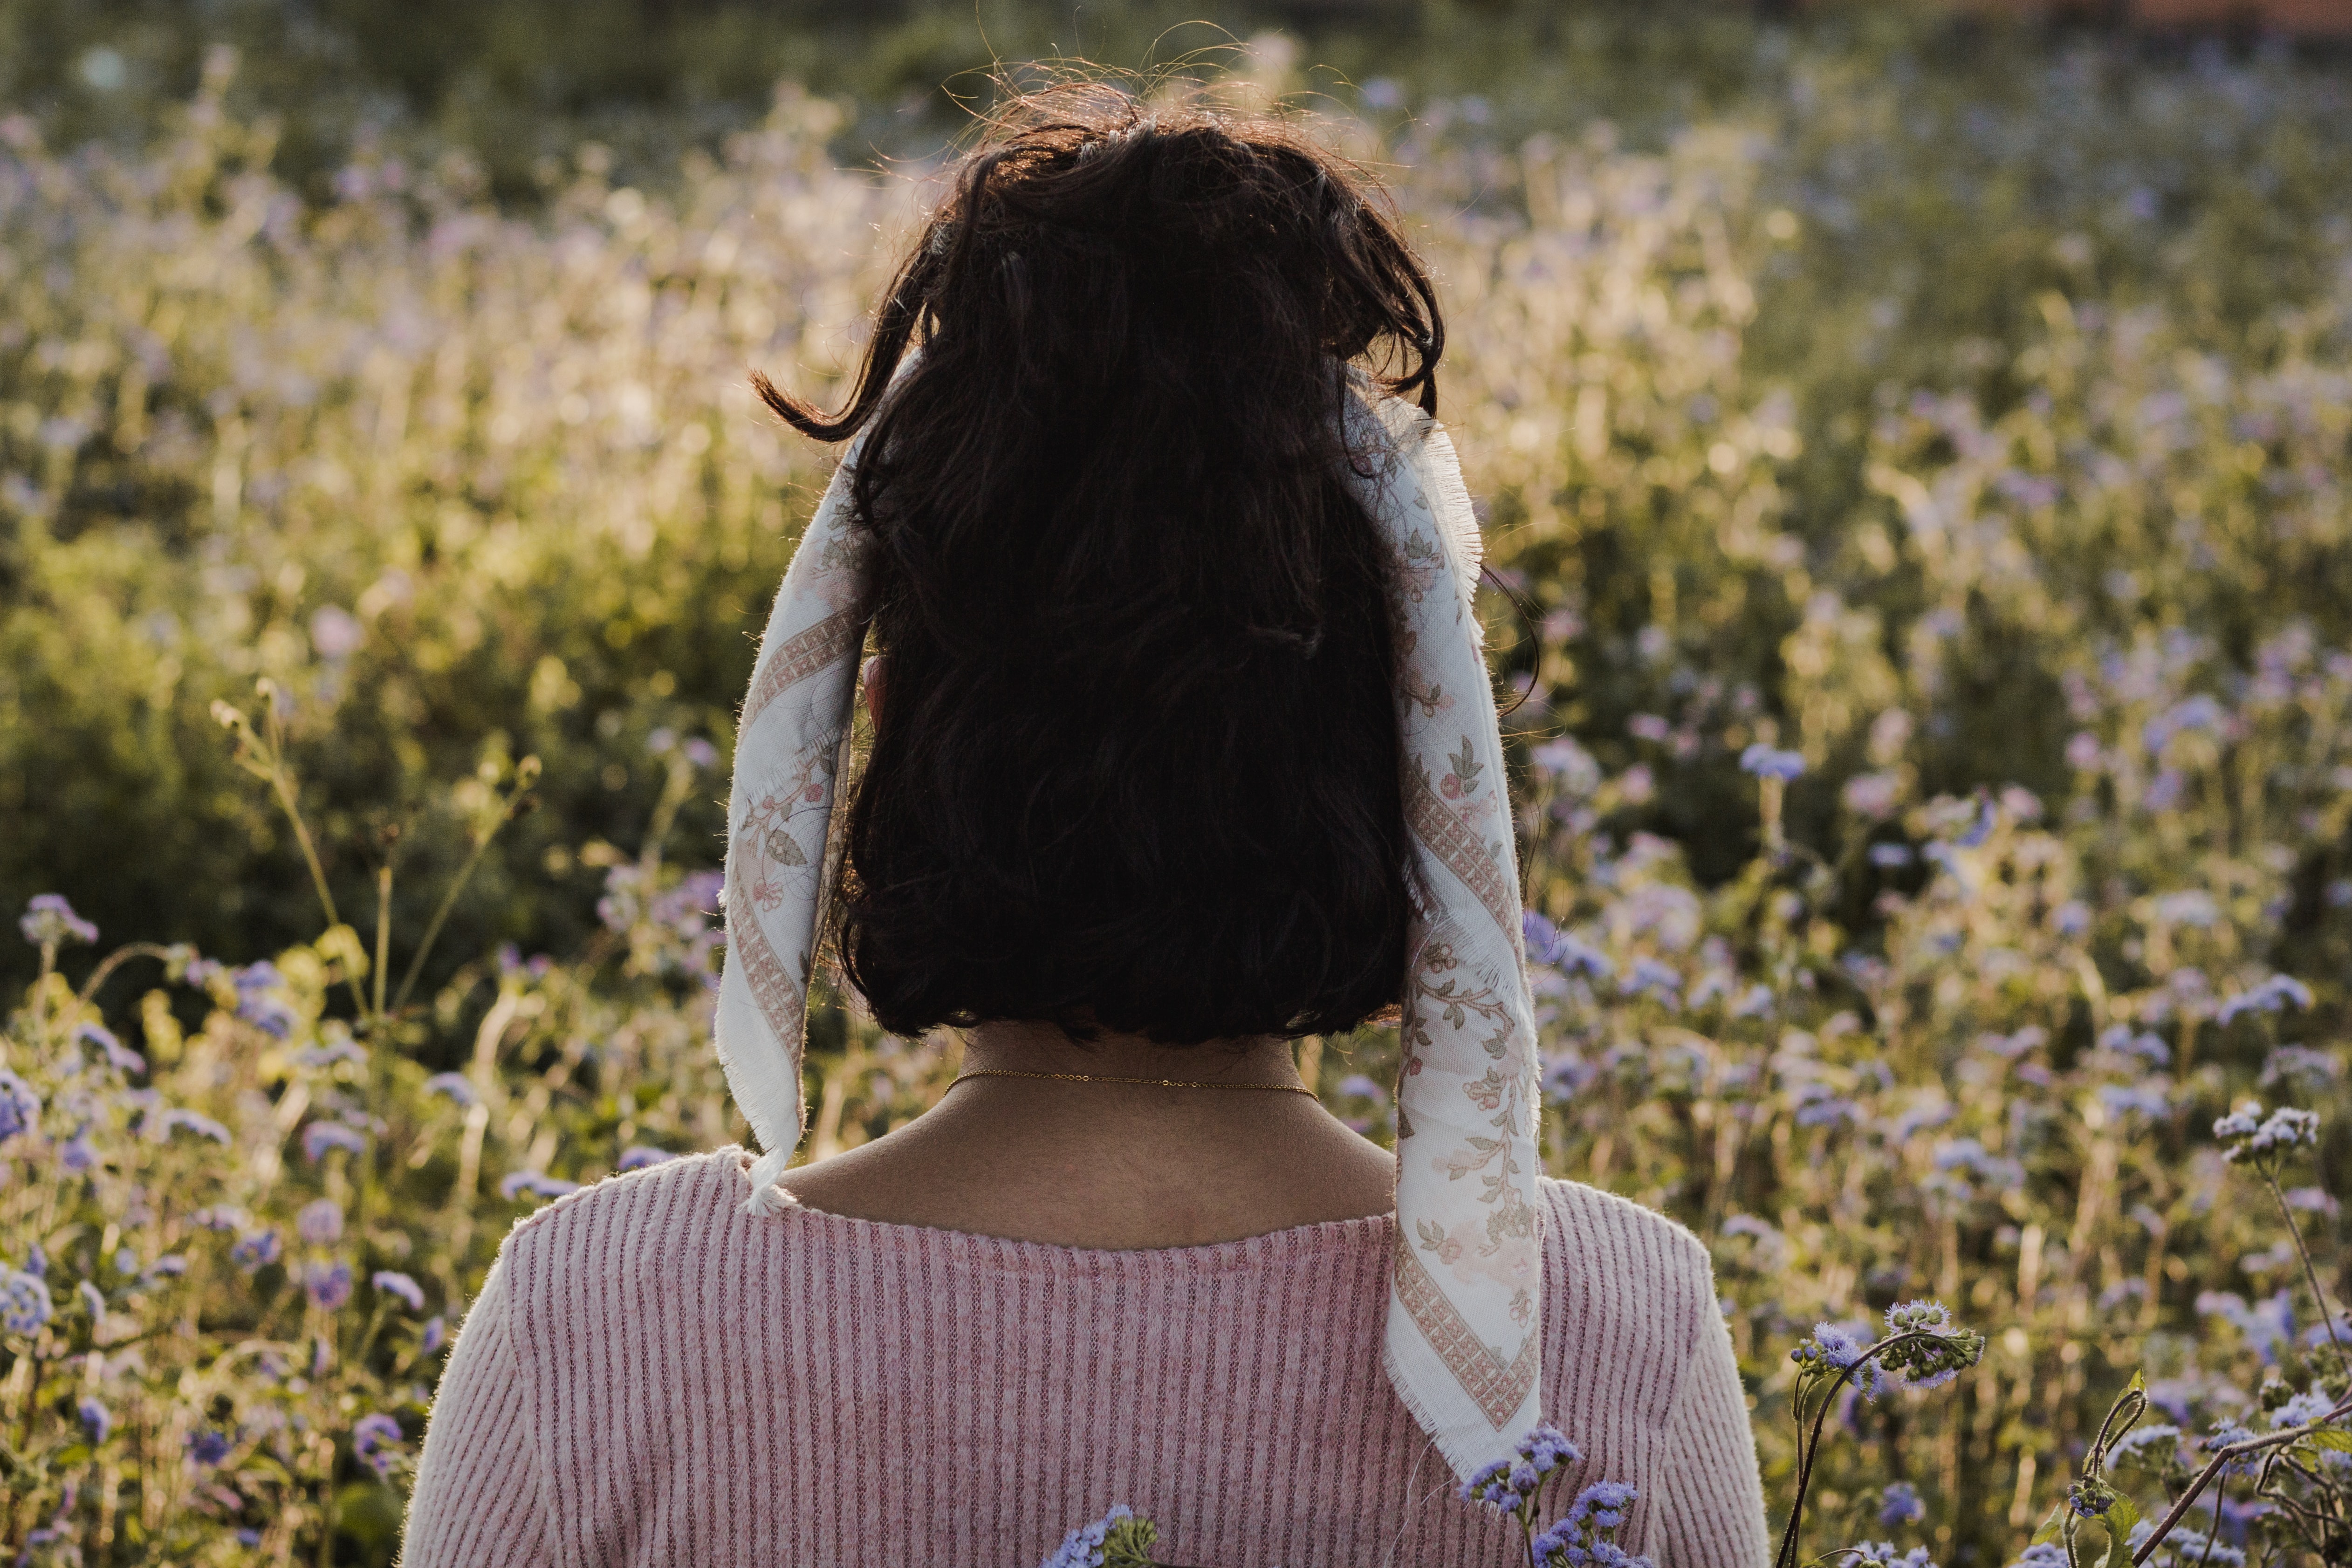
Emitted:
pixel 1464 1313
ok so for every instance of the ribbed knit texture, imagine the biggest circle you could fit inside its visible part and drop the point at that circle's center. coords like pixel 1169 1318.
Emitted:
pixel 653 1377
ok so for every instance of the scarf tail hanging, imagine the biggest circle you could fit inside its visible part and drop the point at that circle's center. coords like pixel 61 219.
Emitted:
pixel 1464 1322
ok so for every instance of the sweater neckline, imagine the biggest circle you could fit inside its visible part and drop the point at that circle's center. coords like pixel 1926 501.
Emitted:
pixel 980 1249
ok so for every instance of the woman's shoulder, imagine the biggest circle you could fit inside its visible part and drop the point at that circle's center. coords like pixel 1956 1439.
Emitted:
pixel 681 1207
pixel 1621 1268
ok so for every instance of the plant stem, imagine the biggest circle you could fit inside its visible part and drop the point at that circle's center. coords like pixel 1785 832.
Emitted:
pixel 283 784
pixel 1806 1447
pixel 2318 1296
pixel 441 915
pixel 32 1398
pixel 115 960
pixel 2222 1460
pixel 383 929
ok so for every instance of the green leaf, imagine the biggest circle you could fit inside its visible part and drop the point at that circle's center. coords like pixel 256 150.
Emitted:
pixel 2122 1514
pixel 2051 1526
pixel 2332 1440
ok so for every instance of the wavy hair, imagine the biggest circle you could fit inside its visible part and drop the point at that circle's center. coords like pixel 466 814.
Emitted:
pixel 1136 761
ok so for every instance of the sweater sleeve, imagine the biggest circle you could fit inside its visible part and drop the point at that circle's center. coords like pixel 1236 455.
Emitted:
pixel 1712 1512
pixel 480 1500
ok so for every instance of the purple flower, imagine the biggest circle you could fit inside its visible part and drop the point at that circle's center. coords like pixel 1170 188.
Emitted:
pixel 1564 1076
pixel 1766 762
pixel 537 1183
pixel 2285 1129
pixel 117 1053
pixel 1547 1449
pixel 2270 997
pixel 1489 1483
pixel 1833 1348
pixel 207 1447
pixel 1819 1105
pixel 24 1304
pixel 2163 1437
pixel 702 753
pixel 2141 1099
pixel 397 1284
pixel 93 1301
pixel 455 1086
pixel 97 1420
pixel 257 1251
pixel 1540 937
pixel 375 1440
pixel 48 921
pixel 1886 1554
pixel 335 632
pixel 329 1284
pixel 320 1137
pixel 320 1223
pixel 176 1120
pixel 1900 1504
pixel 80 1153
pixel 1083 1547
pixel 1651 978
pixel 435 1335
pixel 342 1048
pixel 1871 795
pixel 637 1157
pixel 2265 1324
pixel 20 1108
pixel 258 1002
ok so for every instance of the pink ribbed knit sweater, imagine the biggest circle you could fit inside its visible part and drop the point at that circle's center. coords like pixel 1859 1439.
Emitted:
pixel 652 1377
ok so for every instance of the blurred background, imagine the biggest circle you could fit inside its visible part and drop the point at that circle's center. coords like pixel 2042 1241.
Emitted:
pixel 397 352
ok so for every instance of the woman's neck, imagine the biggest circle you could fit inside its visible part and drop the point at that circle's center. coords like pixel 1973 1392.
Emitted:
pixel 1111 1165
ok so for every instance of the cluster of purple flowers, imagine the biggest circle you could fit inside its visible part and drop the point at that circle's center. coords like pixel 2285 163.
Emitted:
pixel 319 1137
pixel 393 1283
pixel 49 922
pixel 537 1183
pixel 329 1284
pixel 1119 1538
pixel 376 1440
pixel 1769 762
pixel 1886 1554
pixel 1581 1537
pixel 24 1304
pixel 20 1107
pixel 261 999
pixel 1509 1484
pixel 320 1223
pixel 2259 1141
pixel 257 1251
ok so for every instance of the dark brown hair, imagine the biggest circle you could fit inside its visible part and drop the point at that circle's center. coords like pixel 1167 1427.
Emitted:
pixel 1137 762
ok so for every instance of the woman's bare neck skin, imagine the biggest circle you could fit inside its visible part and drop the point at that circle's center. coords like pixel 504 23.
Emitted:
pixel 1110 1165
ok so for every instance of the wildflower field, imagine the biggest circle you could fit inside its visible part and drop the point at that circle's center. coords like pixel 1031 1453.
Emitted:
pixel 1917 473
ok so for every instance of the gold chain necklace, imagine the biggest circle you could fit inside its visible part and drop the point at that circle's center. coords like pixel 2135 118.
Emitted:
pixel 1098 1077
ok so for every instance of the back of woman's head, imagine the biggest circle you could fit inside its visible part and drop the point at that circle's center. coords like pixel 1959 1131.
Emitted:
pixel 1136 765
